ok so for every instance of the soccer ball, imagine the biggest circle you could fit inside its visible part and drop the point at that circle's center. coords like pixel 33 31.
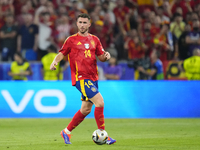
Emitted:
pixel 100 136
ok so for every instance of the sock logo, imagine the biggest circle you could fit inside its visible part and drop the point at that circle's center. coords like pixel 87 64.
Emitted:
pixel 103 125
pixel 101 119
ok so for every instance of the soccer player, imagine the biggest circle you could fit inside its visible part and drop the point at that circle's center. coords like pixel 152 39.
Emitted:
pixel 81 49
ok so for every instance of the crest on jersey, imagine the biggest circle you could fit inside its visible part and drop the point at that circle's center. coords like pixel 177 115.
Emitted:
pixel 93 44
pixel 87 46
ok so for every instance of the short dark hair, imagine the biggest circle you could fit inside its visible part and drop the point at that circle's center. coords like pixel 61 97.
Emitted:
pixel 158 53
pixel 177 15
pixel 52 48
pixel 83 15
pixel 161 7
pixel 19 54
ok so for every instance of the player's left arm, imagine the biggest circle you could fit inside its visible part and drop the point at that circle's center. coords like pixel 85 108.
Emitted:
pixel 101 54
pixel 105 56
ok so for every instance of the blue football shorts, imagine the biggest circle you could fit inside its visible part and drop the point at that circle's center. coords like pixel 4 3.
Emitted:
pixel 88 88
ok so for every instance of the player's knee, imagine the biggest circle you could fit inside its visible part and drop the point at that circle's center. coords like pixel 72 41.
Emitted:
pixel 86 111
pixel 100 104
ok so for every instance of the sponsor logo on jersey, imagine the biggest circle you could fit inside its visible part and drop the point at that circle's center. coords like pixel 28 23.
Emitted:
pixel 79 43
pixel 87 46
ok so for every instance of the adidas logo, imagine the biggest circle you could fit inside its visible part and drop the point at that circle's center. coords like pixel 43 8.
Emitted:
pixel 79 43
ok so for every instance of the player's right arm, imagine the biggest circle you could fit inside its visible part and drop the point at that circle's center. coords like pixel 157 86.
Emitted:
pixel 56 60
pixel 66 48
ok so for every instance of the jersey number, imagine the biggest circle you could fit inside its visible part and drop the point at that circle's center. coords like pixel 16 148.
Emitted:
pixel 89 83
pixel 87 53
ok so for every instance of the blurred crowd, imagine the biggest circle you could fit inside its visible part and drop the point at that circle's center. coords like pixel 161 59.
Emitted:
pixel 135 31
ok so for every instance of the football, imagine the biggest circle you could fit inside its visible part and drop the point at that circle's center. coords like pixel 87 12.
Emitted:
pixel 100 136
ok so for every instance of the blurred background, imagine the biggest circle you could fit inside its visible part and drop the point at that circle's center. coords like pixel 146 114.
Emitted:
pixel 147 39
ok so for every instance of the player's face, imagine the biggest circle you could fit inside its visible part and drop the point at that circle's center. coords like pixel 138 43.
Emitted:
pixel 83 25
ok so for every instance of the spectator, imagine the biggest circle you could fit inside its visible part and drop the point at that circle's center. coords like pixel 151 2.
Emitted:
pixel 61 10
pixel 156 72
pixel 155 28
pixel 74 10
pixel 18 6
pixel 183 47
pixel 133 19
pixel 183 4
pixel 43 2
pixel 163 9
pixel 20 17
pixel 152 17
pixel 20 68
pixel 63 29
pixel 188 18
pixel 8 38
pixel 27 39
pixel 107 14
pixel 53 16
pixel 193 38
pixel 65 3
pixel 113 71
pixel 30 7
pixel 194 16
pixel 148 37
pixel 6 7
pixel 45 31
pixel 102 32
pixel 192 66
pixel 177 27
pixel 195 5
pixel 160 12
pixel 122 14
pixel 46 62
pixel 164 42
pixel 136 54
pixel 136 48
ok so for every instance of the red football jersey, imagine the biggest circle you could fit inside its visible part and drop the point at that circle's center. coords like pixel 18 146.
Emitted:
pixel 82 53
pixel 121 13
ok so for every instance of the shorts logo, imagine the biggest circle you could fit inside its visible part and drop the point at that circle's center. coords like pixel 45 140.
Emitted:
pixel 86 46
pixel 93 89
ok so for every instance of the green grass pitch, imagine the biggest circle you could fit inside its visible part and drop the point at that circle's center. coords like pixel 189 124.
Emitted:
pixel 131 134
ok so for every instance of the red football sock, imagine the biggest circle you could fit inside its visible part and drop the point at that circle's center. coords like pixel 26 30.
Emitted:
pixel 99 117
pixel 76 120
